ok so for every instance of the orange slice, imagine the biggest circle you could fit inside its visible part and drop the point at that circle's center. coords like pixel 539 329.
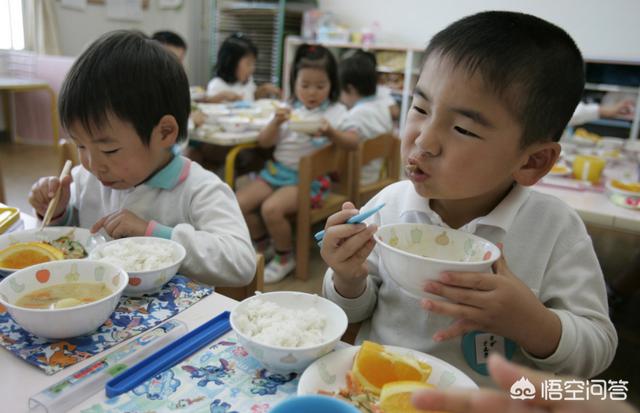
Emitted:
pixel 630 186
pixel 25 254
pixel 374 367
pixel 395 397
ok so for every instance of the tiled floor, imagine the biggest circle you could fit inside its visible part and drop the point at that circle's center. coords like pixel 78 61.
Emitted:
pixel 23 164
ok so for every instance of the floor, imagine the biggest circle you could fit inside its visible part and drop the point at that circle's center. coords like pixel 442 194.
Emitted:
pixel 23 164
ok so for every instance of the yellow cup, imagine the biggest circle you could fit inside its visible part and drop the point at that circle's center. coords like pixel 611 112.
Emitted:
pixel 588 168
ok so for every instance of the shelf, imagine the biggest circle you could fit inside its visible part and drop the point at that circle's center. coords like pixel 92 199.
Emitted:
pixel 296 40
pixel 616 123
pixel 610 88
pixel 386 69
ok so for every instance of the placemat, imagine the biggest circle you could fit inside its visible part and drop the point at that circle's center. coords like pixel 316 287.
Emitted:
pixel 132 316
pixel 221 378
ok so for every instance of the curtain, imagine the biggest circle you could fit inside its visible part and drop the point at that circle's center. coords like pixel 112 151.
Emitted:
pixel 41 27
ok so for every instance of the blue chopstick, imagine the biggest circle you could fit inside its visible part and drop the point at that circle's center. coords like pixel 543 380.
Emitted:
pixel 168 356
pixel 356 219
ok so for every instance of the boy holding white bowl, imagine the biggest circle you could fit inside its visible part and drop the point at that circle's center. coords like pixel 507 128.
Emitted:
pixel 495 93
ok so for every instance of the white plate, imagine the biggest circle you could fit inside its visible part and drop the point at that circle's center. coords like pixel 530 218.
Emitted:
pixel 82 235
pixel 328 372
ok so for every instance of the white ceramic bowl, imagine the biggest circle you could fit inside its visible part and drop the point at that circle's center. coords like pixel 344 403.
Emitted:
pixel 63 322
pixel 235 123
pixel 416 253
pixel 150 281
pixel 287 359
pixel 620 197
pixel 305 125
pixel 82 235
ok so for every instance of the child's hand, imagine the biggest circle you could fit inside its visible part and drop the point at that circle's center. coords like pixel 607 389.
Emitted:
pixel 121 224
pixel 345 249
pixel 504 374
pixel 198 117
pixel 281 115
pixel 44 190
pixel 499 303
pixel 325 130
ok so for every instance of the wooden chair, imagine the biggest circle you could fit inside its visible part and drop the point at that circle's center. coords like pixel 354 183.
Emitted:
pixel 2 193
pixel 385 146
pixel 257 284
pixel 326 160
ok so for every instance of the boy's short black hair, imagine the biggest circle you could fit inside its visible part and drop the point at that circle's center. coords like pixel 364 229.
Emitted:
pixel 170 38
pixel 315 57
pixel 234 48
pixel 358 70
pixel 131 76
pixel 534 66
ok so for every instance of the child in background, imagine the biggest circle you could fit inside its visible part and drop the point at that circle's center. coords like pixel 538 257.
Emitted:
pixel 234 73
pixel 494 95
pixel 125 102
pixel 173 42
pixel 268 200
pixel 369 114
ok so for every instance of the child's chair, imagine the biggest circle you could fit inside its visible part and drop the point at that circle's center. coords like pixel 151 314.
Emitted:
pixel 330 159
pixel 257 284
pixel 385 146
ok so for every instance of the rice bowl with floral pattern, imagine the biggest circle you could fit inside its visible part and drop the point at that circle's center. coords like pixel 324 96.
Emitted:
pixel 416 253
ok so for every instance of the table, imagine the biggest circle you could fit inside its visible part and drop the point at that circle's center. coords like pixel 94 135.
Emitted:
pixel 10 85
pixel 21 380
pixel 595 208
pixel 238 142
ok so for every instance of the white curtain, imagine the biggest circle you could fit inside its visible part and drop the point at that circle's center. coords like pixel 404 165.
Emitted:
pixel 41 27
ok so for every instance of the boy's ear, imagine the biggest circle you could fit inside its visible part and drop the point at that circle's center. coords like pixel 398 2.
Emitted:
pixel 166 131
pixel 539 158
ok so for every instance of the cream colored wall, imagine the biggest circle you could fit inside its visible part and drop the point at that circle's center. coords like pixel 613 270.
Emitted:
pixel 602 29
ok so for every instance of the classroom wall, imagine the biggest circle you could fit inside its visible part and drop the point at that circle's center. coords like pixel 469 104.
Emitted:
pixel 77 29
pixel 602 29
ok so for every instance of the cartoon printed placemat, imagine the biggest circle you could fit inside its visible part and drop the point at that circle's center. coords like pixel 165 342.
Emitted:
pixel 132 316
pixel 223 378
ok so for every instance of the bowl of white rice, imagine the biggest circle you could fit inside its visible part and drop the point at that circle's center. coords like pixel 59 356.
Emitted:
pixel 286 330
pixel 150 262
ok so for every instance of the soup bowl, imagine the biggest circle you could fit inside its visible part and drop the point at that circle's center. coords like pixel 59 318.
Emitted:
pixel 150 261
pixel 68 322
pixel 416 253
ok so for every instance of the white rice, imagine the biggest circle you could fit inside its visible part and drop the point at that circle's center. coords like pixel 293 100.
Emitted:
pixel 137 256
pixel 268 323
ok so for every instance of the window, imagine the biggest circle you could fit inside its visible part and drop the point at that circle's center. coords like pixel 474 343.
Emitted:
pixel 11 30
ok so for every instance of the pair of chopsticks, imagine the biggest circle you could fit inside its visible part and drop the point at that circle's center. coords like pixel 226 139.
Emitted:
pixel 53 204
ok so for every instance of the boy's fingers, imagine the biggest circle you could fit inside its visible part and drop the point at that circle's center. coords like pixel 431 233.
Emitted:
pixel 473 280
pixel 339 232
pixel 456 294
pixel 53 184
pixel 99 224
pixel 353 244
pixel 340 217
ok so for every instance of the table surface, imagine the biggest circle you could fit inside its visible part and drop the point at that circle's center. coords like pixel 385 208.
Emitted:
pixel 21 380
pixel 19 83
pixel 595 208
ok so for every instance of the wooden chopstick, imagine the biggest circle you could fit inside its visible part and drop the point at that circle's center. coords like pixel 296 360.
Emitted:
pixel 53 204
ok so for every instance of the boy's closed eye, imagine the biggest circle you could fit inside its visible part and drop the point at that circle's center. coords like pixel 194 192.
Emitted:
pixel 110 152
pixel 466 132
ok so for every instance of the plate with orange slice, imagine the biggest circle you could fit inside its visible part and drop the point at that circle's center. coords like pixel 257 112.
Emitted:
pixel 378 378
pixel 22 249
